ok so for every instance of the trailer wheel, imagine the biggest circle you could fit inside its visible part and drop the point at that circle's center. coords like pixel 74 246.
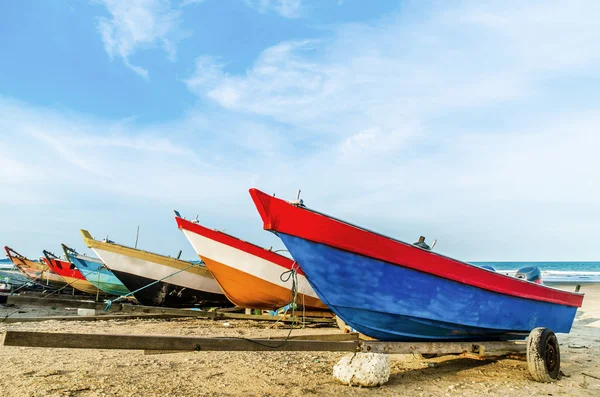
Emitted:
pixel 543 355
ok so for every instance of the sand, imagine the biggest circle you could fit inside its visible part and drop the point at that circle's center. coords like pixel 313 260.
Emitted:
pixel 69 372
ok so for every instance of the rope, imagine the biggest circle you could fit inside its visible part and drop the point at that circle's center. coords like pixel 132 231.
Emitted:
pixel 8 315
pixel 61 288
pixel 110 302
pixel 286 276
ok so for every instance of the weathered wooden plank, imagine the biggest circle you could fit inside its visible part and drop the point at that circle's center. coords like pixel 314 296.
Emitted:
pixel 286 319
pixel 39 301
pixel 102 317
pixel 441 348
pixel 152 342
pixel 52 294
pixel 129 308
pixel 327 337
pixel 214 315
pixel 324 337
pixel 306 313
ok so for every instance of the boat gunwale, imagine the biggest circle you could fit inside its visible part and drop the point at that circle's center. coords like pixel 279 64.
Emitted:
pixel 159 259
pixel 237 243
pixel 537 292
pixel 75 272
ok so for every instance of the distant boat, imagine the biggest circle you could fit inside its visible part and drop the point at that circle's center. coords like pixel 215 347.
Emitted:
pixel 395 291
pixel 14 277
pixel 69 273
pixel 96 272
pixel 36 271
pixel 250 276
pixel 137 269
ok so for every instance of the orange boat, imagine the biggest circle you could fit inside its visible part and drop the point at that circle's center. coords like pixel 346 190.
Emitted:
pixel 250 276
pixel 70 274
pixel 37 271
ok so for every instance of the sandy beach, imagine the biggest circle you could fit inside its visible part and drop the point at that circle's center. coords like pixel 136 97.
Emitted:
pixel 70 372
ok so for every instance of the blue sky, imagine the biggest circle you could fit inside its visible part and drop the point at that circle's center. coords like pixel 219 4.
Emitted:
pixel 473 123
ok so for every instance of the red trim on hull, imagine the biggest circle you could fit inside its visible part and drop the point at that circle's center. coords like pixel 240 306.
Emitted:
pixel 281 216
pixel 64 269
pixel 234 242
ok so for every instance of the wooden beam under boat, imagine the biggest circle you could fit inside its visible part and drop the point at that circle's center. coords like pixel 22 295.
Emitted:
pixel 104 317
pixel 164 311
pixel 316 343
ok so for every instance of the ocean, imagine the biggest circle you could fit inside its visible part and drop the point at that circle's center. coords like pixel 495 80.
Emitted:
pixel 553 272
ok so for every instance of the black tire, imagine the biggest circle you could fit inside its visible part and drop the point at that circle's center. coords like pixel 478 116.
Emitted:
pixel 543 355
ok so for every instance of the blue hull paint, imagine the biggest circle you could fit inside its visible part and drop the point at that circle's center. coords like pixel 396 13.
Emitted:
pixel 394 303
pixel 98 275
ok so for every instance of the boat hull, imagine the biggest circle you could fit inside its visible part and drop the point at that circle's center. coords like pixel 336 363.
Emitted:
pixel 189 287
pixel 246 290
pixel 39 273
pixel 391 290
pixel 81 285
pixel 166 294
pixel 72 277
pixel 98 275
pixel 247 277
pixel 394 303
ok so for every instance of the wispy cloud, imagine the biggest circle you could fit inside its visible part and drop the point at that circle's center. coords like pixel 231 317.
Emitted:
pixel 285 8
pixel 136 24
pixel 463 104
pixel 461 123
pixel 186 3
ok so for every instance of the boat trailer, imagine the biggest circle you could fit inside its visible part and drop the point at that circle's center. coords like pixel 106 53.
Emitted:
pixel 541 348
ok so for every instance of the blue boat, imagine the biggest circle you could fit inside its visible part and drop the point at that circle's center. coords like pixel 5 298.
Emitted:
pixel 395 291
pixel 96 272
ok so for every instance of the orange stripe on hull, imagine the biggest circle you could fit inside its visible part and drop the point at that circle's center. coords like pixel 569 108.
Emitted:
pixel 248 291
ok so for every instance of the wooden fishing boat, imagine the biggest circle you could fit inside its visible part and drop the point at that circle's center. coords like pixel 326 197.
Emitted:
pixel 69 273
pixel 38 272
pixel 95 272
pixel 391 290
pixel 165 281
pixel 250 276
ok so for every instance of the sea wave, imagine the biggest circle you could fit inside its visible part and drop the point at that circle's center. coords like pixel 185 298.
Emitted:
pixel 558 276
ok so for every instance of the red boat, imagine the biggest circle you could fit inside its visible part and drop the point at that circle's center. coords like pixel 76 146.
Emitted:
pixel 69 273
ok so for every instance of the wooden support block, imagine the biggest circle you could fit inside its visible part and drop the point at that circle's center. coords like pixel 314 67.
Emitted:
pixel 152 342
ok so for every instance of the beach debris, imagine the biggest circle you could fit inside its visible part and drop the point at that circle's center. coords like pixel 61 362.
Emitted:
pixel 591 376
pixel 86 312
pixel 575 346
pixel 363 369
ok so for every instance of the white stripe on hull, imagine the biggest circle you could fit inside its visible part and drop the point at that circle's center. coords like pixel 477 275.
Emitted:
pixel 156 271
pixel 245 262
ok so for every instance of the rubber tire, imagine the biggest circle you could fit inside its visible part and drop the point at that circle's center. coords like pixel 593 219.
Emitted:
pixel 543 355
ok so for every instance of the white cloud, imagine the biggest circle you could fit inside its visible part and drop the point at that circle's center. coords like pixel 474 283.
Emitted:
pixel 136 24
pixel 446 125
pixel 285 8
pixel 452 119
pixel 186 3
